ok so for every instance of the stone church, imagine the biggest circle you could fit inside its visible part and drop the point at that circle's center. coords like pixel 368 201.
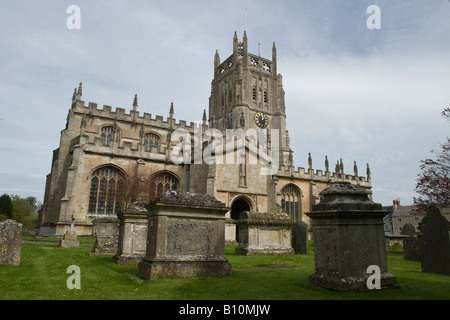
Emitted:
pixel 108 157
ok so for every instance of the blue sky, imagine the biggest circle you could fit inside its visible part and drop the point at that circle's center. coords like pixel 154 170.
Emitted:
pixel 370 96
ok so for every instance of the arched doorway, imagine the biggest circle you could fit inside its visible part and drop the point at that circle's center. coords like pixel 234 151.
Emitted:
pixel 239 205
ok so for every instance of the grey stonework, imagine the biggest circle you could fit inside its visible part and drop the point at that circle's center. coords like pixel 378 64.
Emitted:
pixel 106 231
pixel 186 237
pixel 348 238
pixel 133 232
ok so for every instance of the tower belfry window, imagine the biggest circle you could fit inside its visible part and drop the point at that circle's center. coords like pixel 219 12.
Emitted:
pixel 107 134
pixel 151 140
pixel 254 93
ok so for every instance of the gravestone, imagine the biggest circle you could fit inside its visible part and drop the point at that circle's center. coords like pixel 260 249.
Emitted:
pixel 10 242
pixel 300 237
pixel 106 231
pixel 408 230
pixel 435 242
pixel 264 233
pixel 348 235
pixel 70 240
pixel 186 237
pixel 412 248
pixel 412 245
pixel 133 231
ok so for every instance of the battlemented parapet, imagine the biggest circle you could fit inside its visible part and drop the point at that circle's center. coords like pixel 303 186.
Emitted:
pixel 319 175
pixel 133 117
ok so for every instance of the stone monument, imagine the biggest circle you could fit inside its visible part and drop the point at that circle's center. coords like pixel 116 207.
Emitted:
pixel 10 242
pixel 300 237
pixel 70 239
pixel 348 238
pixel 106 231
pixel 409 230
pixel 412 245
pixel 435 242
pixel 264 233
pixel 186 237
pixel 132 235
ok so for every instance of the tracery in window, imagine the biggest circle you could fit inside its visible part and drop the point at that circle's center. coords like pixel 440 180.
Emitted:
pixel 162 182
pixel 151 140
pixel 290 201
pixel 106 183
pixel 107 134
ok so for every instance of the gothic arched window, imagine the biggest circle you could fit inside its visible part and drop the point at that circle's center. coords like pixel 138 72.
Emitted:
pixel 161 182
pixel 290 201
pixel 106 183
pixel 151 140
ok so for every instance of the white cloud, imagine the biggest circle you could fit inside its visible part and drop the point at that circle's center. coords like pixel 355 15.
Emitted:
pixel 369 96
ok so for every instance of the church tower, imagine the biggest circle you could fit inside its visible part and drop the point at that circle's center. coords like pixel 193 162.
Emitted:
pixel 247 92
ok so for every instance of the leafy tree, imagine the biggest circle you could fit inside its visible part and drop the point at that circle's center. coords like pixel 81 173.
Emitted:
pixel 25 211
pixel 6 207
pixel 433 184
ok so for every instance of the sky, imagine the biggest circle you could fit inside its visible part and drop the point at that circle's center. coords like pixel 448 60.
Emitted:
pixel 352 92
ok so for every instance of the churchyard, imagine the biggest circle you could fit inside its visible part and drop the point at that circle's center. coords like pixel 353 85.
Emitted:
pixel 186 258
pixel 42 274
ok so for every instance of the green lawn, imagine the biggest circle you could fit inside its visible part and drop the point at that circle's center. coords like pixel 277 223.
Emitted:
pixel 42 275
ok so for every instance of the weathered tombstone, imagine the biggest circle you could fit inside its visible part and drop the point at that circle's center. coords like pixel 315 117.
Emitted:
pixel 435 242
pixel 412 246
pixel 106 231
pixel 70 240
pixel 186 237
pixel 349 241
pixel 132 235
pixel 408 230
pixel 300 237
pixel 10 242
pixel 264 233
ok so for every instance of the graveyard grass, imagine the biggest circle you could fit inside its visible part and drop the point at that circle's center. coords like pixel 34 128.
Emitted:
pixel 42 275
